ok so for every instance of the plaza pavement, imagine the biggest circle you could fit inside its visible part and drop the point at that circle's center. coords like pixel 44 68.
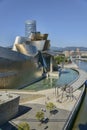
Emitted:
pixel 63 103
pixel 56 121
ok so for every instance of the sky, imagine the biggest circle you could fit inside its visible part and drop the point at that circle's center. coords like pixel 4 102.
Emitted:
pixel 64 20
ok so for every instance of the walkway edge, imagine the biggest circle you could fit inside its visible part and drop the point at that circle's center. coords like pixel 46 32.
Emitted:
pixel 73 113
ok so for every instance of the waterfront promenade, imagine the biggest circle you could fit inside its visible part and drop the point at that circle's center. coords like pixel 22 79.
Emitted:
pixel 32 102
pixel 28 109
pixel 81 79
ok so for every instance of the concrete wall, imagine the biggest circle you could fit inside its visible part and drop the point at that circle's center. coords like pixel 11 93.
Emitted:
pixel 69 123
pixel 8 109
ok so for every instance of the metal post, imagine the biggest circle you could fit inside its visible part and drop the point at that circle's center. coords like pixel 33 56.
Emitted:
pixel 51 66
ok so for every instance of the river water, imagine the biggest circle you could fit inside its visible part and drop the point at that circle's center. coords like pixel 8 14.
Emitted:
pixel 81 120
pixel 67 76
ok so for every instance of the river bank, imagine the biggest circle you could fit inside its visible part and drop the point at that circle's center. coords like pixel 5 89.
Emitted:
pixel 71 65
pixel 81 119
pixel 64 107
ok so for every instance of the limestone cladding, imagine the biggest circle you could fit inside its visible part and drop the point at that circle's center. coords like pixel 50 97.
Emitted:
pixel 9 104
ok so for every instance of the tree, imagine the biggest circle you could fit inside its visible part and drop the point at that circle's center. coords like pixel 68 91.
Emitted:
pixel 23 126
pixel 50 106
pixel 40 115
pixel 59 59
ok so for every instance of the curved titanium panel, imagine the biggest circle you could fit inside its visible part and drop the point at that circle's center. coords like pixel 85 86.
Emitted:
pixel 38 44
pixel 27 49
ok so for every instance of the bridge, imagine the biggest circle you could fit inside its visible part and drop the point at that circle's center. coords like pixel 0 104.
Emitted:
pixel 80 81
pixel 82 59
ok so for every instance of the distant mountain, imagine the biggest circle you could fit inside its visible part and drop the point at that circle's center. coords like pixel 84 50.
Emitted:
pixel 68 48
pixel 56 48
pixel 74 48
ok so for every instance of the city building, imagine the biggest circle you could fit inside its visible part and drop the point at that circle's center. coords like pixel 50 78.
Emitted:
pixel 83 54
pixel 24 63
pixel 27 61
pixel 30 27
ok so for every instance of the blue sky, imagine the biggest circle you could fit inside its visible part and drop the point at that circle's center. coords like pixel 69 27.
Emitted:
pixel 64 20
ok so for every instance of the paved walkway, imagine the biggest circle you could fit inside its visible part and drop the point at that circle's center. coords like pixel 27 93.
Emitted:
pixel 57 120
pixel 64 106
pixel 81 80
pixel 82 76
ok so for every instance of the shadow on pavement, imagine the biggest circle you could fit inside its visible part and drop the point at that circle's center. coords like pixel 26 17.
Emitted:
pixel 22 110
pixel 7 126
pixel 82 126
pixel 54 112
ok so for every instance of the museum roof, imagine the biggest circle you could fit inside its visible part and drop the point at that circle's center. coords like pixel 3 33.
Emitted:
pixel 6 97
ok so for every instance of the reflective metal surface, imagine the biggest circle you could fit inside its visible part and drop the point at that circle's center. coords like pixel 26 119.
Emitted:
pixel 23 64
pixel 18 70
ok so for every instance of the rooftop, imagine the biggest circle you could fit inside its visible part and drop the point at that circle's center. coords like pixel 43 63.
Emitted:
pixel 5 97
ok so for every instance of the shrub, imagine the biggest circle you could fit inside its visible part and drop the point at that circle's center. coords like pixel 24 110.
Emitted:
pixel 23 126
pixel 40 115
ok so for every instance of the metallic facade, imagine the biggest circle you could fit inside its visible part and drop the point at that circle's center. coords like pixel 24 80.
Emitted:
pixel 18 70
pixel 24 64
